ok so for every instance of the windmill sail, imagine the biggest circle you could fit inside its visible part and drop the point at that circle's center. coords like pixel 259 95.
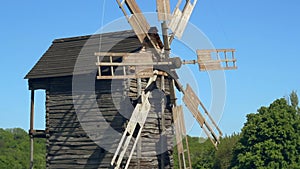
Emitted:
pixel 137 21
pixel 193 102
pixel 184 158
pixel 216 59
pixel 180 18
pixel 163 10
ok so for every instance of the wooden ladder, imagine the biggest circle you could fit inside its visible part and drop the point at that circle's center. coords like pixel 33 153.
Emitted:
pixel 134 128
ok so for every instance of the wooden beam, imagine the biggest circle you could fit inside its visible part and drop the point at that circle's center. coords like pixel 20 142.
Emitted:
pixel 32 110
pixel 111 54
pixel 163 123
pixel 138 21
pixel 139 144
pixel 39 134
pixel 31 128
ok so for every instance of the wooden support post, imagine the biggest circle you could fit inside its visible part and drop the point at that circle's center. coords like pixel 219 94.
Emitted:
pixel 31 128
pixel 139 144
pixel 163 105
pixel 163 123
pixel 226 60
pixel 111 68
pixel 188 151
pixel 173 101
pixel 99 67
pixel 166 39
pixel 233 59
pixel 172 93
pixel 31 152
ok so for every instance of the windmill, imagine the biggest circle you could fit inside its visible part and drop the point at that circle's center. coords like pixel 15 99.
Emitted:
pixel 155 61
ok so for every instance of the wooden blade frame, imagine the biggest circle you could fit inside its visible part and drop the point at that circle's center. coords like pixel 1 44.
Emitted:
pixel 138 22
pixel 163 10
pixel 180 132
pixel 216 59
pixel 180 18
pixel 124 65
pixel 193 102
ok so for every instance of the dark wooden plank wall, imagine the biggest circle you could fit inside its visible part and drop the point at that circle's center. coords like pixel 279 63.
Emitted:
pixel 69 146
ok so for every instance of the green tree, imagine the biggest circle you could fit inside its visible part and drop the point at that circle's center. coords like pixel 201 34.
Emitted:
pixel 14 150
pixel 201 152
pixel 269 139
pixel 223 156
pixel 294 100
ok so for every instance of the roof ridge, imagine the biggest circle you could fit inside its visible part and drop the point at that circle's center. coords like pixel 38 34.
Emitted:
pixel 68 39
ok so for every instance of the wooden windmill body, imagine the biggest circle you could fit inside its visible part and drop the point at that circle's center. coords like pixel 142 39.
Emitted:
pixel 132 69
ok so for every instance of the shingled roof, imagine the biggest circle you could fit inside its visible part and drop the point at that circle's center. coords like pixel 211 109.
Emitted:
pixel 60 59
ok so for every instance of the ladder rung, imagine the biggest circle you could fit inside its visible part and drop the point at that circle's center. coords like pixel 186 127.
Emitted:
pixel 135 125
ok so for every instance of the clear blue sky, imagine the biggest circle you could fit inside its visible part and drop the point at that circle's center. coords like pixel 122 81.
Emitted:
pixel 265 34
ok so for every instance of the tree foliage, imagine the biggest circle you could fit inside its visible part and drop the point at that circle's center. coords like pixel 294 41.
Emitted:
pixel 270 138
pixel 205 156
pixel 222 158
pixel 201 153
pixel 294 99
pixel 14 150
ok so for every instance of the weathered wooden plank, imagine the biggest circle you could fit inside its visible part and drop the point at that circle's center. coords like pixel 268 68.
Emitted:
pixel 180 18
pixel 185 19
pixel 175 19
pixel 163 9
